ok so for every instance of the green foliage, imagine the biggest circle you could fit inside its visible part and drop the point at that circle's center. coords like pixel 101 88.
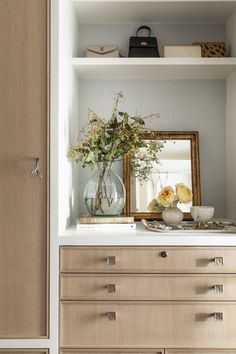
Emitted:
pixel 104 141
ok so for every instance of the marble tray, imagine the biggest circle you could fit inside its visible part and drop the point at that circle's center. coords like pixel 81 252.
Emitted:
pixel 190 227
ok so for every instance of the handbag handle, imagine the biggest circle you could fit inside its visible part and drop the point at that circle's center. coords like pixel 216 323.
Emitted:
pixel 143 27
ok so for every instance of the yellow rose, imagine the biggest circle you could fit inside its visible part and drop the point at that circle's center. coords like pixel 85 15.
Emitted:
pixel 166 196
pixel 155 207
pixel 152 206
pixel 183 193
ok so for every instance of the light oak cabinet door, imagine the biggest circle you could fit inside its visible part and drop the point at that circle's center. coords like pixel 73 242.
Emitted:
pixel 23 137
pixel 148 324
pixel 24 351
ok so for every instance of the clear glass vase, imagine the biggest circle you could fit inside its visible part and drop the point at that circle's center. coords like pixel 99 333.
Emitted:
pixel 104 193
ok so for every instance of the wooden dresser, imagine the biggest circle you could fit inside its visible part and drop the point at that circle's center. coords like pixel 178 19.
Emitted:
pixel 147 299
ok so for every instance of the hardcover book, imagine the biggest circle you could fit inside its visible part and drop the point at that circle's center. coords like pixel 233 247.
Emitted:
pixel 113 227
pixel 106 220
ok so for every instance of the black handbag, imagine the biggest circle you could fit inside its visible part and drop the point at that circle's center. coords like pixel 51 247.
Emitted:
pixel 143 47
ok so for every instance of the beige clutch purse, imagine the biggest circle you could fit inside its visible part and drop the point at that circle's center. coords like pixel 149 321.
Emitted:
pixel 182 51
pixel 102 51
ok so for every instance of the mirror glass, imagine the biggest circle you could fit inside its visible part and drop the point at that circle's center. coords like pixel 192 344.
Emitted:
pixel 178 164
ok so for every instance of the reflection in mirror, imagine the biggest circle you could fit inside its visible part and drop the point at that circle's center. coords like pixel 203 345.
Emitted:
pixel 174 167
pixel 179 163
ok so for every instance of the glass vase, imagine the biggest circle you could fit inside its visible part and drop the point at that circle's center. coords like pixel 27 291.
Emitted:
pixel 104 193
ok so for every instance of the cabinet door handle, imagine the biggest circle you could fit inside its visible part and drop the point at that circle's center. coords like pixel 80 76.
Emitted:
pixel 218 316
pixel 111 260
pixel 111 288
pixel 111 316
pixel 218 261
pixel 218 289
pixel 36 172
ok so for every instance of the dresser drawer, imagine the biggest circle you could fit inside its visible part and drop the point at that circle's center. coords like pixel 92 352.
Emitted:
pixel 147 287
pixel 147 259
pixel 113 351
pixel 148 324
pixel 197 351
pixel 148 351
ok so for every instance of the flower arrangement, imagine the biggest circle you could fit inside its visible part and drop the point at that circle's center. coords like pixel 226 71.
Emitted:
pixel 104 141
pixel 101 142
pixel 168 197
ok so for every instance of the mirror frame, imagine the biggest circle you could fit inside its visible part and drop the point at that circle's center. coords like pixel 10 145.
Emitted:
pixel 193 136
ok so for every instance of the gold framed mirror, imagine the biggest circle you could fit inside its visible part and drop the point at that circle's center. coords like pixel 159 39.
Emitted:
pixel 178 163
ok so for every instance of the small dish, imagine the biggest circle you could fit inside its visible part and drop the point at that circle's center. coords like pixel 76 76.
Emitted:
pixel 202 215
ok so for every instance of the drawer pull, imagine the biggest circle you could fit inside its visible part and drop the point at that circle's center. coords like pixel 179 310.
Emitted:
pixel 218 261
pixel 111 260
pixel 111 316
pixel 111 288
pixel 218 289
pixel 164 254
pixel 218 316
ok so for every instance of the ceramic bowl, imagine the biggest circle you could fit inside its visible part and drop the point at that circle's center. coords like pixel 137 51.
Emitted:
pixel 202 214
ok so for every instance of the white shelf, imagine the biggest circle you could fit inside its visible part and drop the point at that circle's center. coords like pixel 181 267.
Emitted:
pixel 154 11
pixel 142 237
pixel 154 68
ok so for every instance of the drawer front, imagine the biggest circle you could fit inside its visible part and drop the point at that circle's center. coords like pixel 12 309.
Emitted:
pixel 148 324
pixel 148 351
pixel 147 259
pixel 147 287
pixel 113 351
pixel 197 351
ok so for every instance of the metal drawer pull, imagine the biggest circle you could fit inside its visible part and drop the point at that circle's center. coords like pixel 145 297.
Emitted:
pixel 36 172
pixel 111 260
pixel 218 289
pixel 164 254
pixel 218 261
pixel 111 288
pixel 111 316
pixel 218 316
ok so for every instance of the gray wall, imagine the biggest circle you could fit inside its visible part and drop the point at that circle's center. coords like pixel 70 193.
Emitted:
pixel 183 105
pixel 166 34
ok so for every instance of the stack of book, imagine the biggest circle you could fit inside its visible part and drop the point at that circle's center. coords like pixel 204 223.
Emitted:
pixel 106 223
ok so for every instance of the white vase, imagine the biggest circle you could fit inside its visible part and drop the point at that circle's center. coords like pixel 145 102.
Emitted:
pixel 172 216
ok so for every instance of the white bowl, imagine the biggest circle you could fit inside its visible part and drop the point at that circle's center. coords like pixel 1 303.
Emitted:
pixel 202 214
